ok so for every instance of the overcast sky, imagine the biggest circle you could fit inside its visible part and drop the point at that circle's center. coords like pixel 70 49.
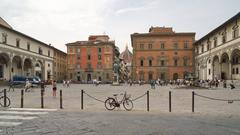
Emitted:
pixel 63 21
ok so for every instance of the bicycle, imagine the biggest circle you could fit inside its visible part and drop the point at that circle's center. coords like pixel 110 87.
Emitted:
pixel 8 102
pixel 112 102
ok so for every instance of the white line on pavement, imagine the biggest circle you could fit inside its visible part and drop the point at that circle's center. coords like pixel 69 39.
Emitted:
pixel 8 124
pixel 10 117
pixel 23 113
pixel 31 109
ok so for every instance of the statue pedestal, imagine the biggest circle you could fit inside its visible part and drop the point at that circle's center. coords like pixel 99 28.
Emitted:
pixel 115 80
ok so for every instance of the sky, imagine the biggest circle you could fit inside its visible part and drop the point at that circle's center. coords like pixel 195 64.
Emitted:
pixel 58 22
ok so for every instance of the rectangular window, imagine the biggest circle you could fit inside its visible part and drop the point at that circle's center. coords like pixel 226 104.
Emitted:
pixel 141 62
pixel 184 62
pixel 149 46
pixel 48 53
pixel 89 57
pixel 215 42
pixel 202 48
pixel 150 63
pixel 185 46
pixel 235 33
pixel 209 71
pixel 141 46
pixel 99 57
pixel 78 57
pixel 162 45
pixel 162 63
pixel 175 62
pixel 28 46
pixel 78 50
pixel 99 50
pixel 18 43
pixel 224 38
pixel 4 38
pixel 175 46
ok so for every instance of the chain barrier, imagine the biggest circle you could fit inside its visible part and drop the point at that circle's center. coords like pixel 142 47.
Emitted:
pixel 139 97
pixel 93 97
pixel 218 99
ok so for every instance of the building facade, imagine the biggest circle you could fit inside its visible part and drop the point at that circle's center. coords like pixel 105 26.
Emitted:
pixel 92 59
pixel 59 65
pixel 23 55
pixel 162 53
pixel 217 54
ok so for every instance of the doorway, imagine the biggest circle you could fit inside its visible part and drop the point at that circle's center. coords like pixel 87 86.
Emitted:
pixel 89 77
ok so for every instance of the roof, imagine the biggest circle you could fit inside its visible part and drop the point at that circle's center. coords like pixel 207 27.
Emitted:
pixel 218 28
pixel 162 34
pixel 83 43
pixel 5 25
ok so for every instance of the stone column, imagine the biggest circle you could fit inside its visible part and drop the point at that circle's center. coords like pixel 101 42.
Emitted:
pixel 220 70
pixel 230 70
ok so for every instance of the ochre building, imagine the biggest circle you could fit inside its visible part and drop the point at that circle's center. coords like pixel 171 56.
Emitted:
pixel 92 59
pixel 59 65
pixel 162 53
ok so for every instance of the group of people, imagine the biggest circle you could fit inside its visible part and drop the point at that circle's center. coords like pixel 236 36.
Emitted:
pixel 215 83
pixel 66 83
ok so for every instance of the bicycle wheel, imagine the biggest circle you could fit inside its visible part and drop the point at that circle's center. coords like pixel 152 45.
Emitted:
pixel 8 102
pixel 110 104
pixel 128 104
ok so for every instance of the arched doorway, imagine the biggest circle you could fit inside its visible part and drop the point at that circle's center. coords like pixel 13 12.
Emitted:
pixel 17 66
pixel 4 66
pixel 216 68
pixel 225 67
pixel 39 69
pixel 27 67
pixel 175 76
pixel 235 64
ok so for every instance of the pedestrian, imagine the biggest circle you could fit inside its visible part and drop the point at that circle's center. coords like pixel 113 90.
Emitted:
pixel 232 85
pixel 27 85
pixel 68 83
pixel 224 84
pixel 54 88
pixel 64 83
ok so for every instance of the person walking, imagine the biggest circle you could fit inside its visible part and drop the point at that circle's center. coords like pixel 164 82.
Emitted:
pixel 54 85
pixel 27 85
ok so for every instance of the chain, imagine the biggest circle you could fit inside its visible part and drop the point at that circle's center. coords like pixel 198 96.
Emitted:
pixel 93 97
pixel 140 96
pixel 218 99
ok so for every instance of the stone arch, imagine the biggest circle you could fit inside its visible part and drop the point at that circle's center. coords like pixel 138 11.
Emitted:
pixel 17 65
pixel 225 61
pixel 28 67
pixel 4 66
pixel 39 69
pixel 216 67
pixel 235 59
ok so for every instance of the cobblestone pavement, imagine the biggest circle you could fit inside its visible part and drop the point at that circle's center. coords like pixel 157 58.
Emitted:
pixel 125 123
pixel 210 117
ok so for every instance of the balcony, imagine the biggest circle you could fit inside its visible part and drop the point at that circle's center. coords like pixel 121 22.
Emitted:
pixel 88 69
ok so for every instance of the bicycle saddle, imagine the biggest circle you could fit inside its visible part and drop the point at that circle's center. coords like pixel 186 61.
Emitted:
pixel 115 94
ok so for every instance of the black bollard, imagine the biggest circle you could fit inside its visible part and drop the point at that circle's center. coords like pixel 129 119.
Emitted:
pixel 61 106
pixel 170 101
pixel 193 101
pixel 42 102
pixel 82 99
pixel 22 93
pixel 148 101
pixel 5 97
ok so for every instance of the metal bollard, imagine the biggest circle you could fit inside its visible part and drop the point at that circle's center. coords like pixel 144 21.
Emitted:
pixel 5 97
pixel 170 101
pixel 193 101
pixel 22 93
pixel 148 101
pixel 82 99
pixel 42 101
pixel 61 106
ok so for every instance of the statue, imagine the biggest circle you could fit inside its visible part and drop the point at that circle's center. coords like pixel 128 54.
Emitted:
pixel 116 71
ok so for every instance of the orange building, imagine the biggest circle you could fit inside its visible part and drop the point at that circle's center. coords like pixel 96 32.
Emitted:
pixel 162 53
pixel 92 59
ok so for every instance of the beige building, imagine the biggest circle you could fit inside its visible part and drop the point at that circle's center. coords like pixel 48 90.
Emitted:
pixel 23 55
pixel 59 65
pixel 217 54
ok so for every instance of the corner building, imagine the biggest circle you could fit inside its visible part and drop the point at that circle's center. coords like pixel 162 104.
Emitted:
pixel 162 53
pixel 217 54
pixel 92 59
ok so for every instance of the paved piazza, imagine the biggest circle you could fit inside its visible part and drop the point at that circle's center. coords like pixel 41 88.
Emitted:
pixel 210 116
